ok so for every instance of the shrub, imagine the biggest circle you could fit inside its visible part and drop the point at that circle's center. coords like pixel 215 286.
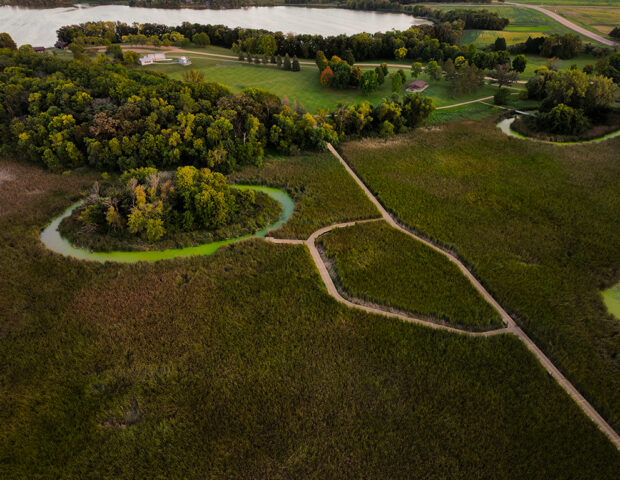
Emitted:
pixel 563 120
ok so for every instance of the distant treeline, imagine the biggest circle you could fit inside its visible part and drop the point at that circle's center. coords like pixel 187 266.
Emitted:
pixel 67 113
pixel 221 4
pixel 424 42
pixel 473 19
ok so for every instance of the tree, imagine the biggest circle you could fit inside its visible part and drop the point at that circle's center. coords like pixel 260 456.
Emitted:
pixel 503 75
pixel 369 82
pixel 201 39
pixel 600 94
pixel 327 77
pixel 295 65
pixel 449 69
pixel 519 63
pixel 380 75
pixel 321 60
pixel 193 76
pixel 130 58
pixel 78 51
pixel 397 82
pixel 501 97
pixel 7 42
pixel 400 53
pixel 500 44
pixel 348 57
pixel 615 32
pixel 267 44
pixel 287 62
pixel 434 70
pixel 416 70
pixel 279 61
pixel 564 120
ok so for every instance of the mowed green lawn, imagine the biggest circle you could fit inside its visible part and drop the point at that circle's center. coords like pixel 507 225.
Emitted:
pixel 537 223
pixel 302 87
pixel 239 365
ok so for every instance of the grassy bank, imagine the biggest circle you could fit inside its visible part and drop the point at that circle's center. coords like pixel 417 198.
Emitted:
pixel 538 223
pixel 381 265
pixel 239 365
pixel 323 191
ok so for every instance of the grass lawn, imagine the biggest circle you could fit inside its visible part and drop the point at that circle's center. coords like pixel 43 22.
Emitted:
pixel 537 223
pixel 303 87
pixel 534 61
pixel 323 191
pixel 239 365
pixel 378 264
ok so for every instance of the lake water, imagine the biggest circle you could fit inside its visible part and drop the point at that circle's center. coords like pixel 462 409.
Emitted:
pixel 38 27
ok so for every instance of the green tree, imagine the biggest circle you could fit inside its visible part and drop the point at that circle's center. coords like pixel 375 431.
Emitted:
pixel 321 60
pixel 519 63
pixel 267 44
pixel 193 76
pixel 369 82
pixel 201 39
pixel 500 44
pixel 434 70
pixel 397 82
pixel 287 62
pixel 7 42
pixel 416 70
pixel 295 65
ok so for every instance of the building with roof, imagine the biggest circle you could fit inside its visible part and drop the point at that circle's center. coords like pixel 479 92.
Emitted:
pixel 417 86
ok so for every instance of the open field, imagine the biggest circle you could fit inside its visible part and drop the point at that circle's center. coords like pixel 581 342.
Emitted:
pixel 597 19
pixel 302 87
pixel 524 22
pixel 250 370
pixel 323 191
pixel 572 2
pixel 381 265
pixel 537 223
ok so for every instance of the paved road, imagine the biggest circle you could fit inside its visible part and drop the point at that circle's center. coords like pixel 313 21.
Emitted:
pixel 567 23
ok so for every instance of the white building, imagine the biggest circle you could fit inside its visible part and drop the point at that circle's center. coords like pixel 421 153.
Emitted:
pixel 152 58
pixel 184 61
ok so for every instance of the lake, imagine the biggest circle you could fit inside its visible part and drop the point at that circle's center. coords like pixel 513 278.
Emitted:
pixel 38 27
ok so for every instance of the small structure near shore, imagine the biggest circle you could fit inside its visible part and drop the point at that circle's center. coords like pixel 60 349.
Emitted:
pixel 39 49
pixel 417 86
pixel 184 61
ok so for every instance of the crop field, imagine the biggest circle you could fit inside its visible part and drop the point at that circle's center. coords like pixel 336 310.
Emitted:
pixel 600 20
pixel 379 264
pixel 239 365
pixel 537 223
pixel 524 22
pixel 323 191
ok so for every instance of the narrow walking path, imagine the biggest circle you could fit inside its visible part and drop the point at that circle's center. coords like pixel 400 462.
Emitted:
pixel 511 326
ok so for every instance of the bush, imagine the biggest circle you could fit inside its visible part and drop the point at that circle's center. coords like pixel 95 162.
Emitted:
pixel 564 120
pixel 501 97
pixel 295 66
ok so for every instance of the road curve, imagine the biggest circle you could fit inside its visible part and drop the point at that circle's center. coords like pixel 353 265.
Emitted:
pixel 512 327
pixel 567 23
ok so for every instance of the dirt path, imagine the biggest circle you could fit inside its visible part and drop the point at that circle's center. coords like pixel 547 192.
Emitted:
pixel 567 23
pixel 510 325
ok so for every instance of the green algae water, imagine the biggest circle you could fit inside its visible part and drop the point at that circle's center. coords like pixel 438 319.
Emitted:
pixel 52 239
pixel 505 126
pixel 611 297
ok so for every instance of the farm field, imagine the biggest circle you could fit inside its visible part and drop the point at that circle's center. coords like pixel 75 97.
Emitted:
pixel 597 19
pixel 524 22
pixel 378 264
pixel 532 220
pixel 106 374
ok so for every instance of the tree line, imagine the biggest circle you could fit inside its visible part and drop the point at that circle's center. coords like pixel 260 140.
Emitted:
pixel 426 42
pixel 472 19
pixel 68 113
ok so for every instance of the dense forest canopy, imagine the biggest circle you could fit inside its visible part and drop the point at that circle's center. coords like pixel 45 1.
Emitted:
pixel 68 113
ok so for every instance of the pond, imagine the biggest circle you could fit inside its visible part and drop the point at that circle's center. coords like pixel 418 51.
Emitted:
pixel 38 27
pixel 52 239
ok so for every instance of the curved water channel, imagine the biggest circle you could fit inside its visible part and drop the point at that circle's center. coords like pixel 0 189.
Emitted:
pixel 52 239
pixel 505 126
pixel 38 27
